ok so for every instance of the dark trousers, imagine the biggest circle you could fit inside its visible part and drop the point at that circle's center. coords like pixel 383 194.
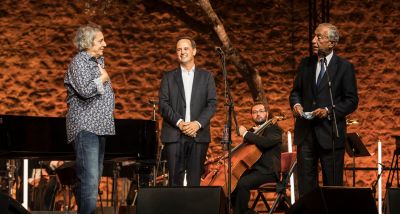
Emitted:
pixel 308 154
pixel 188 155
pixel 250 180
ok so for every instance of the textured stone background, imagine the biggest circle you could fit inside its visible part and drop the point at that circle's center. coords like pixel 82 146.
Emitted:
pixel 36 47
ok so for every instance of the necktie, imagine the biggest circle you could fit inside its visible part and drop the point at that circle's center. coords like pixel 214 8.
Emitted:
pixel 321 72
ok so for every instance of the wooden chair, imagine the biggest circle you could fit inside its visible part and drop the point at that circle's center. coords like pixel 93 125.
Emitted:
pixel 288 165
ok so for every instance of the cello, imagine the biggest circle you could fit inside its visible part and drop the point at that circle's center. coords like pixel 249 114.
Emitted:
pixel 244 156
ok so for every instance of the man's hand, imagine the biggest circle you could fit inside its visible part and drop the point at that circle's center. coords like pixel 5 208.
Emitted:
pixel 320 113
pixel 242 130
pixel 297 110
pixel 104 75
pixel 182 124
pixel 190 128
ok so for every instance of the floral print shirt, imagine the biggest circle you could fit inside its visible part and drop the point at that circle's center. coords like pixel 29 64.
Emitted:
pixel 90 102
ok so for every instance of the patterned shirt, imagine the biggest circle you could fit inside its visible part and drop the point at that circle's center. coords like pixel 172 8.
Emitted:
pixel 90 102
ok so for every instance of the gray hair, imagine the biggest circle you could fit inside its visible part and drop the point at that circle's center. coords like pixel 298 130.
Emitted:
pixel 333 33
pixel 85 36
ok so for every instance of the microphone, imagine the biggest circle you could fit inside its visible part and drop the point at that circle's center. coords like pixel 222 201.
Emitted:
pixel 153 101
pixel 225 135
pixel 219 50
pixel 352 122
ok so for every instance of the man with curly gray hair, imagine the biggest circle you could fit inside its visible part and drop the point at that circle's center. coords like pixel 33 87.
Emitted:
pixel 90 114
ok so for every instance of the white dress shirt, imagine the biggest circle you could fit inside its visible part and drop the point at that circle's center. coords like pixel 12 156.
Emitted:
pixel 187 77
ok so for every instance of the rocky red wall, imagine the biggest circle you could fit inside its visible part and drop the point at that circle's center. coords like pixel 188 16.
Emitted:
pixel 36 47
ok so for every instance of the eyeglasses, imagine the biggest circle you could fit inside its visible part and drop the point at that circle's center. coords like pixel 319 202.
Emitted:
pixel 259 111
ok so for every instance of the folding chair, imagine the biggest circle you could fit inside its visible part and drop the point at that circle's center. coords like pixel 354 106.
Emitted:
pixel 288 165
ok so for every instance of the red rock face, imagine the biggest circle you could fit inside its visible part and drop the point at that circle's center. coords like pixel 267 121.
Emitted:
pixel 36 47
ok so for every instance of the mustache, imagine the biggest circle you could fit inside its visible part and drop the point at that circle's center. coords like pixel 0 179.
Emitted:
pixel 260 120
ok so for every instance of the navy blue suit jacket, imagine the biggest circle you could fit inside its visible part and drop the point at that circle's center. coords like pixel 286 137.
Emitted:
pixel 311 97
pixel 173 104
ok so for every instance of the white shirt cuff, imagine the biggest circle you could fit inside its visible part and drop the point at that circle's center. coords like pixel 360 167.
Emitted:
pixel 177 123
pixel 198 123
pixel 99 85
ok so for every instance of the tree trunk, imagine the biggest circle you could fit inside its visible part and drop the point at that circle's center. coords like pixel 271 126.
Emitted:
pixel 250 74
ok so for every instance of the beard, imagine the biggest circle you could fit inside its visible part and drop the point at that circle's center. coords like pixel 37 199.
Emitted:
pixel 260 120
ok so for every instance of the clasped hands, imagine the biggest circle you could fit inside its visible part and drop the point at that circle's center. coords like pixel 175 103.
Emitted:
pixel 189 128
pixel 319 112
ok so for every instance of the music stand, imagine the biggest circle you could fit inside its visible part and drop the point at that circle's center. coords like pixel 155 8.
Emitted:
pixel 355 148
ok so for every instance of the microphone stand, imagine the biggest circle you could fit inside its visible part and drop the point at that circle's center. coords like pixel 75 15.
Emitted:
pixel 160 145
pixel 227 138
pixel 373 188
pixel 334 122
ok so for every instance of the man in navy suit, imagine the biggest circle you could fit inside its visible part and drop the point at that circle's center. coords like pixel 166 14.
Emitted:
pixel 311 105
pixel 187 104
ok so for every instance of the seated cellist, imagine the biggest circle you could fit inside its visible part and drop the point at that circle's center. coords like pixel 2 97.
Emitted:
pixel 268 167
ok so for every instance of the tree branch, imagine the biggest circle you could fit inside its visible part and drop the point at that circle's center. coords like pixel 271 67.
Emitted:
pixel 250 74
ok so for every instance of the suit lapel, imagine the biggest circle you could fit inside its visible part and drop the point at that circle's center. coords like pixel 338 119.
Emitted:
pixel 196 80
pixel 332 68
pixel 179 81
pixel 312 71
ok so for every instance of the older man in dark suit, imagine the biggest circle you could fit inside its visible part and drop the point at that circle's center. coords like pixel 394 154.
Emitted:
pixel 187 104
pixel 311 105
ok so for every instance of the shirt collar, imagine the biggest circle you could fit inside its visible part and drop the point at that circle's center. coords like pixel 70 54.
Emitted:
pixel 191 70
pixel 89 57
pixel 328 57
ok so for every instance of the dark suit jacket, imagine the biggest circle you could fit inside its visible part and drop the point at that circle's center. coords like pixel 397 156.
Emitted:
pixel 270 144
pixel 305 92
pixel 173 104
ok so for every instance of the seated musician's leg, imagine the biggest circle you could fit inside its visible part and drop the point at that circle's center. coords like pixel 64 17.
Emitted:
pixel 250 180
pixel 88 152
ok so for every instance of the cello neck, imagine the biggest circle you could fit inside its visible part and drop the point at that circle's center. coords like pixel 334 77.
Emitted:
pixel 258 131
pixel 268 123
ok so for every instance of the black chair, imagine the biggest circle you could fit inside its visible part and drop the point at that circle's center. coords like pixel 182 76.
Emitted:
pixel 288 165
